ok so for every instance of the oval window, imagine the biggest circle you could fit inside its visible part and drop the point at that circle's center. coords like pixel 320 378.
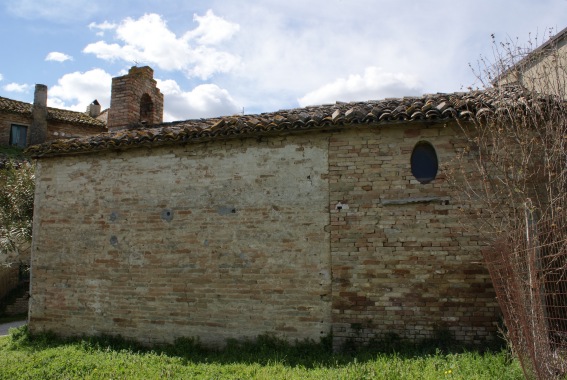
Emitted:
pixel 424 164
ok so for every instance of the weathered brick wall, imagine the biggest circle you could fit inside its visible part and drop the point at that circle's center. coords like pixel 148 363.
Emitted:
pixel 234 239
pixel 402 261
pixel 58 130
pixel 219 240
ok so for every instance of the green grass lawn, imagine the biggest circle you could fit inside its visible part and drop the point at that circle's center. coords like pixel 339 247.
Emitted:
pixel 45 357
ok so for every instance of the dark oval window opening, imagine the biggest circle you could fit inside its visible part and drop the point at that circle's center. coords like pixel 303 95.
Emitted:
pixel 424 163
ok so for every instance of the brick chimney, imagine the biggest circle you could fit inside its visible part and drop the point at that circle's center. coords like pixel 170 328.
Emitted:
pixel 39 115
pixel 135 100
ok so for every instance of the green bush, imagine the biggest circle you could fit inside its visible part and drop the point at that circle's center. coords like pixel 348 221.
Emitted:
pixel 16 206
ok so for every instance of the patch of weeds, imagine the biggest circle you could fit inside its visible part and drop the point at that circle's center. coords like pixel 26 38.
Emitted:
pixel 268 348
pixel 186 348
pixel 48 357
pixel 20 336
pixel 11 152
pixel 442 342
pixel 104 341
pixel 350 347
pixel 389 343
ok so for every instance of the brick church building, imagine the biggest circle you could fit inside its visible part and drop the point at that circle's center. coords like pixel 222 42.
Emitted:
pixel 335 219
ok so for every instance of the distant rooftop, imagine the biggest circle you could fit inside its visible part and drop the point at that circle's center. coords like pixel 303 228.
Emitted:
pixel 56 114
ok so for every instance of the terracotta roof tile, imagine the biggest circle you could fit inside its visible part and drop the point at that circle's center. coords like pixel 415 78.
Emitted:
pixel 15 106
pixel 73 117
pixel 56 114
pixel 436 107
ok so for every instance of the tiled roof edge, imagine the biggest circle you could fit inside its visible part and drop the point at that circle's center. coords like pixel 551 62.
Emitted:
pixel 15 106
pixel 74 117
pixel 429 108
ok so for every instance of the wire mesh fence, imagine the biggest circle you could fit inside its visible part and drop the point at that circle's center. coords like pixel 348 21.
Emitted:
pixel 529 273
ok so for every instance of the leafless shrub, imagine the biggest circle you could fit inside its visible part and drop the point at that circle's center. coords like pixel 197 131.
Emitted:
pixel 517 144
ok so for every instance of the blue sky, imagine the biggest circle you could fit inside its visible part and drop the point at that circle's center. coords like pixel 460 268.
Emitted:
pixel 220 57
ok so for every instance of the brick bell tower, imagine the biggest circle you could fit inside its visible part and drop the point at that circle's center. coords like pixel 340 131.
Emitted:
pixel 135 100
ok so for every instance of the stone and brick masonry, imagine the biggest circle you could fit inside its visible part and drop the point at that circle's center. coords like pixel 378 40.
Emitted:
pixel 235 238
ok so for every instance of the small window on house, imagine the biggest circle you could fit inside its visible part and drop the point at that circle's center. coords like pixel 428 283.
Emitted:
pixel 19 135
pixel 146 109
pixel 424 163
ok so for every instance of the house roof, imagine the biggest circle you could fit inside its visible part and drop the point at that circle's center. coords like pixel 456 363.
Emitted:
pixel 55 114
pixel 428 108
pixel 534 55
pixel 551 42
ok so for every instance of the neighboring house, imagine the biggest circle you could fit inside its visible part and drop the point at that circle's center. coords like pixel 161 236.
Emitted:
pixel 335 219
pixel 543 70
pixel 23 124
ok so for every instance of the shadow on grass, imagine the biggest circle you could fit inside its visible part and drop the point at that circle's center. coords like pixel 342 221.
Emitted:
pixel 265 349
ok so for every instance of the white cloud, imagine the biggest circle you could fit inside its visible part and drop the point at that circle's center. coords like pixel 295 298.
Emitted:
pixel 375 83
pixel 148 40
pixel 58 57
pixel 16 87
pixel 102 27
pixel 212 30
pixel 77 90
pixel 285 57
pixel 276 54
pixel 1 77
pixel 206 100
